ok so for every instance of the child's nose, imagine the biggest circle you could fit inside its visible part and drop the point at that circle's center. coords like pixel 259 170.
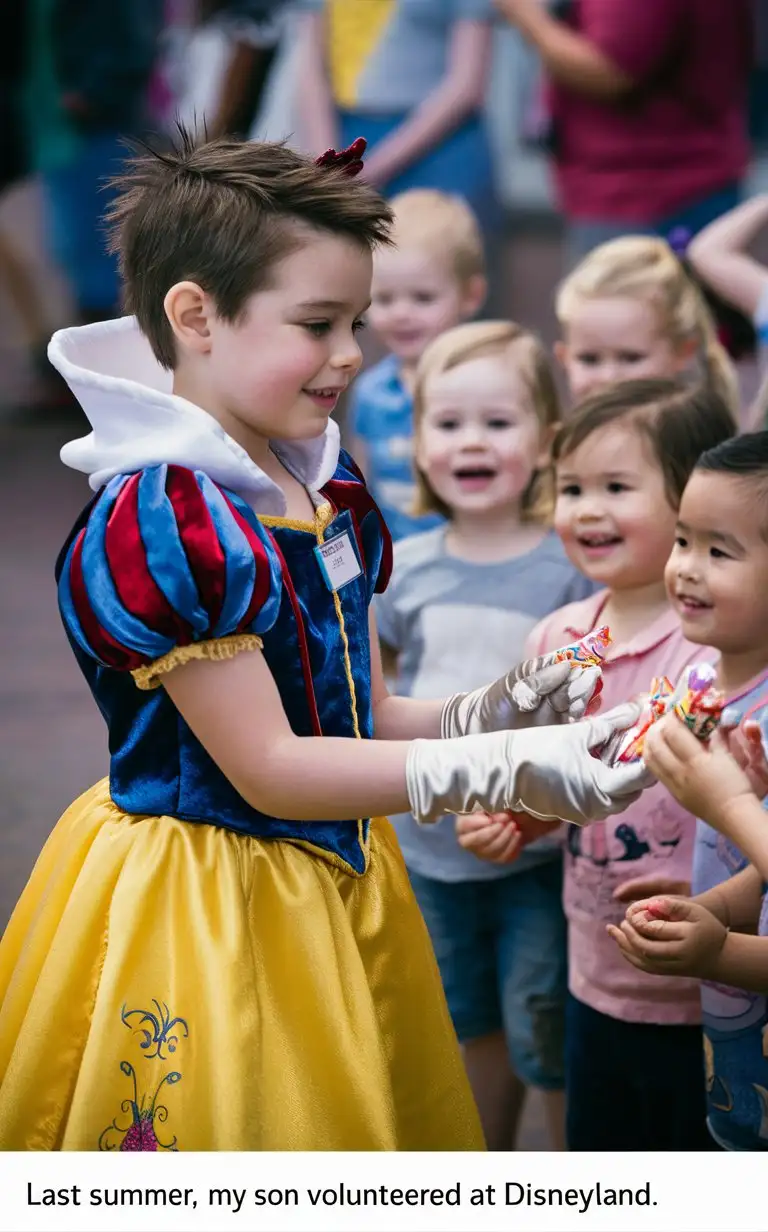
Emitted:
pixel 472 436
pixel 610 372
pixel 348 357
pixel 688 569
pixel 589 507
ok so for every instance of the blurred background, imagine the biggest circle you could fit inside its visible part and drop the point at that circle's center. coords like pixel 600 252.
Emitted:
pixel 77 76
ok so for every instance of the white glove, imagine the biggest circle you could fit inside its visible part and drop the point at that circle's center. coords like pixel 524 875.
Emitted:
pixel 549 772
pixel 538 691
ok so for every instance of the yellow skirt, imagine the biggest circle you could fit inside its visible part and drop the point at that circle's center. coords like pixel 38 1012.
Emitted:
pixel 170 986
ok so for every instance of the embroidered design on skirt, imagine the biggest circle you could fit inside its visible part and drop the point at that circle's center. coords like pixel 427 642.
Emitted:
pixel 158 1031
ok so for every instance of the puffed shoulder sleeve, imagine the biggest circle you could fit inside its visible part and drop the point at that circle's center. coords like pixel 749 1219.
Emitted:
pixel 167 567
pixel 348 490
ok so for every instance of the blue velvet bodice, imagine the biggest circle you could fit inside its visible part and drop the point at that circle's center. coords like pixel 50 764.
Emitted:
pixel 315 641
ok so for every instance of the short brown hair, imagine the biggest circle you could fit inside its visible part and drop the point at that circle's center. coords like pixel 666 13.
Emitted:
pixel 497 340
pixel 223 213
pixel 441 223
pixel 679 422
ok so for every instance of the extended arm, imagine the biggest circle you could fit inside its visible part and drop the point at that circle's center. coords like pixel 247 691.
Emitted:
pixel 745 821
pixel 736 903
pixel 719 256
pixel 234 709
pixel 698 937
pixel 569 58
pixel 743 963
pixel 460 93
pixel 708 781
pixel 626 44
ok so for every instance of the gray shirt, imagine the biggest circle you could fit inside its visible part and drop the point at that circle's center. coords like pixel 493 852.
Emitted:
pixel 399 54
pixel 456 626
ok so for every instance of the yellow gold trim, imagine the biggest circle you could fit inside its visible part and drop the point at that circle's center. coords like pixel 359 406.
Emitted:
pixel 347 663
pixel 149 677
pixel 348 673
pixel 323 518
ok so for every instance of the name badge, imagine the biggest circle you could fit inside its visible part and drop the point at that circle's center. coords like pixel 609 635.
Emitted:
pixel 338 561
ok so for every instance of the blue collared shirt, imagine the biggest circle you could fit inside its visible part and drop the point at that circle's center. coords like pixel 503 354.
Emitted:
pixel 381 415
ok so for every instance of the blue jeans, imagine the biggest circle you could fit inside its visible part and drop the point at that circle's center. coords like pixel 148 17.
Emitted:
pixel 501 949
pixel 76 198
pixel 633 1086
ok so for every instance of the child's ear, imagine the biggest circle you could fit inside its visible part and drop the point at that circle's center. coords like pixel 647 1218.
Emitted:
pixel 188 310
pixel 562 353
pixel 685 353
pixel 474 295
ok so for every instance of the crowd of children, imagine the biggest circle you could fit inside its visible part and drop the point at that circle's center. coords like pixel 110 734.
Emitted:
pixel 269 667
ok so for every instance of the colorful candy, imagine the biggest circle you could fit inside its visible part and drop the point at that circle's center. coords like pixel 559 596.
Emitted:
pixel 701 706
pixel 695 701
pixel 590 651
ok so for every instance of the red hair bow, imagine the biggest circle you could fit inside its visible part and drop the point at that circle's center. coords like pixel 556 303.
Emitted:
pixel 350 161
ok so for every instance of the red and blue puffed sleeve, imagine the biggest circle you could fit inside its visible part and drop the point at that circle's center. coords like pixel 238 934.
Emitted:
pixel 168 567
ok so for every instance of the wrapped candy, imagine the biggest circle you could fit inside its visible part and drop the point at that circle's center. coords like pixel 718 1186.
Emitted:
pixel 695 701
pixel 628 745
pixel 589 652
pixel 700 706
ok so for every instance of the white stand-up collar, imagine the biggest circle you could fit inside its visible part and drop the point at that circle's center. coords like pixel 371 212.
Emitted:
pixel 137 421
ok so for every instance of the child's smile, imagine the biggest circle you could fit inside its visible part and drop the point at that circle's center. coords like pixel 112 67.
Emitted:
pixel 479 442
pixel 717 574
pixel 612 512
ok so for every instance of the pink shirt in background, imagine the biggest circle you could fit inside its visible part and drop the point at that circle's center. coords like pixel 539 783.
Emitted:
pixel 682 133
pixel 653 838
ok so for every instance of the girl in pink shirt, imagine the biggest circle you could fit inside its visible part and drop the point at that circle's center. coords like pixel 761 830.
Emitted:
pixel 633 1043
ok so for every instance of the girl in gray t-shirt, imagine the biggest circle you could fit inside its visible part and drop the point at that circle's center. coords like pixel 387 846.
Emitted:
pixel 462 601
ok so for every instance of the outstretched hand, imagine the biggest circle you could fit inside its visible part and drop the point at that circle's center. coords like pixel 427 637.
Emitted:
pixel 745 744
pixel 670 936
pixel 706 779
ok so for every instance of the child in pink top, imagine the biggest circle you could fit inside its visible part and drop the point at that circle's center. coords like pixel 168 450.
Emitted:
pixel 647 850
pixel 633 1043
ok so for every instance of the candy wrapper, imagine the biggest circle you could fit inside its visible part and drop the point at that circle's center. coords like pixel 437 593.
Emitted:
pixel 589 652
pixel 695 701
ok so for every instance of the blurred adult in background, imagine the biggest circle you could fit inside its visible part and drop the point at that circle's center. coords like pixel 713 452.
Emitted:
pixel 217 60
pixel 648 109
pixel 15 278
pixel 409 77
pixel 89 68
pixel 255 29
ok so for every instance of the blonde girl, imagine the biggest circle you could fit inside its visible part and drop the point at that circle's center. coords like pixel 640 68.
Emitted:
pixel 630 310
pixel 463 597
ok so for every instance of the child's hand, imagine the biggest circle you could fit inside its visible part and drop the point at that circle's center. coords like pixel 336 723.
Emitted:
pixel 705 778
pixel 745 744
pixel 500 837
pixel 649 887
pixel 490 836
pixel 670 936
